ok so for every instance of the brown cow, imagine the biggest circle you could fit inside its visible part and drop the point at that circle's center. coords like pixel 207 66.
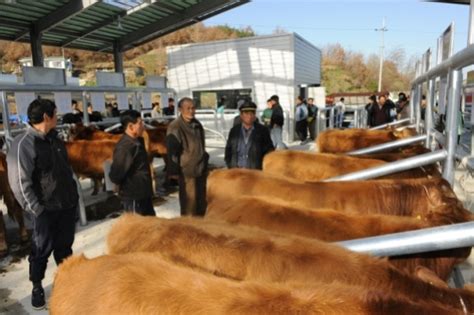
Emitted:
pixel 81 132
pixel 414 197
pixel 308 166
pixel 423 198
pixel 13 207
pixel 144 283
pixel 87 158
pixel 323 224
pixel 245 253
pixel 330 225
pixel 341 141
pixel 154 138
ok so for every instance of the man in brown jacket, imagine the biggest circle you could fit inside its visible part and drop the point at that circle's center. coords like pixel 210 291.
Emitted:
pixel 188 159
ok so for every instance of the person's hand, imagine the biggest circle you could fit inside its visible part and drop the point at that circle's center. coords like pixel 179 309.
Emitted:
pixel 116 189
pixel 175 177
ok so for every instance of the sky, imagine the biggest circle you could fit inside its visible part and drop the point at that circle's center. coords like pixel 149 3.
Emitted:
pixel 412 24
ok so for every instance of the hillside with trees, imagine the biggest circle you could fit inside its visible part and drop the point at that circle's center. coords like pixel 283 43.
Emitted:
pixel 343 70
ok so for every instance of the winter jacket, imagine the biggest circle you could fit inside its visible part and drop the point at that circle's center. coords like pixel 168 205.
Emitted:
pixel 130 169
pixel 277 116
pixel 260 144
pixel 39 173
pixel 186 148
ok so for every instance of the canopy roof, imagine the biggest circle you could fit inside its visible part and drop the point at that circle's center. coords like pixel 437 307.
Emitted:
pixel 99 25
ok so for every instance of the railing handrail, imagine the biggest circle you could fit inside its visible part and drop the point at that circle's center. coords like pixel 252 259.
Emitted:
pixel 460 60
pixel 70 88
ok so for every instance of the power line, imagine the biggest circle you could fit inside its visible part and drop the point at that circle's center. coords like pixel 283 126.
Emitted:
pixel 339 29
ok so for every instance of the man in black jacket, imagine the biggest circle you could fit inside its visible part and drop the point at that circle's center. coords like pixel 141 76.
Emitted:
pixel 130 169
pixel 43 184
pixel 248 141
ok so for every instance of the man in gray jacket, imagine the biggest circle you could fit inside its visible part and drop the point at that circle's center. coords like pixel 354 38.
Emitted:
pixel 42 182
pixel 188 159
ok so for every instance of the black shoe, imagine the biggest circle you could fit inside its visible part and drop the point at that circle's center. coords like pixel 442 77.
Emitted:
pixel 37 298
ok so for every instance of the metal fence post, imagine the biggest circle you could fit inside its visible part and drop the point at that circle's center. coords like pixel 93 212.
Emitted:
pixel 452 113
pixel 82 206
pixel 412 102
pixel 6 118
pixel 430 100
pixel 356 118
pixel 418 107
pixel 331 118
pixel 84 109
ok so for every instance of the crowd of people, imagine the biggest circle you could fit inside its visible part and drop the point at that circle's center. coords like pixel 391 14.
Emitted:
pixel 383 110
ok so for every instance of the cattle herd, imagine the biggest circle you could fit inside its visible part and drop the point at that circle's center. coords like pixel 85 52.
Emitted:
pixel 265 243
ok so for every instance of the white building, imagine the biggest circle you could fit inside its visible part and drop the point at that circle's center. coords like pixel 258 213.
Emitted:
pixel 256 67
pixel 51 62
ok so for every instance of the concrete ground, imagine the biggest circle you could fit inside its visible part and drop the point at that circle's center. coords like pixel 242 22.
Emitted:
pixel 15 289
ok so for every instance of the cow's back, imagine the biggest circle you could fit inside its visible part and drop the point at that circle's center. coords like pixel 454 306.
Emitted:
pixel 341 141
pixel 323 224
pixel 308 166
pixel 395 197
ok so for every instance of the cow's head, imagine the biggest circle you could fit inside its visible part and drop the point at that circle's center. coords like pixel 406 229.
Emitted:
pixel 404 133
pixel 81 132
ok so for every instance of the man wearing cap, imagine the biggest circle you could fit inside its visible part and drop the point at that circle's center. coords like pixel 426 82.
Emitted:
pixel 402 106
pixel 248 141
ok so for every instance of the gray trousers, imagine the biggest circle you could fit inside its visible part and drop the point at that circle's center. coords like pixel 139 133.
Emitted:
pixel 192 195
pixel 276 133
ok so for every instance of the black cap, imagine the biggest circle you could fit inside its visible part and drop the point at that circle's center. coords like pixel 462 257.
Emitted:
pixel 247 107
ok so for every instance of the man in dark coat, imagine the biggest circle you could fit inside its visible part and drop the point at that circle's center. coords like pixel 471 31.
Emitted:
pixel 248 141
pixel 130 169
pixel 380 113
pixel 188 159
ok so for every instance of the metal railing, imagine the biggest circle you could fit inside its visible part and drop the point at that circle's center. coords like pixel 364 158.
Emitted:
pixel 388 145
pixel 219 124
pixel 395 123
pixel 394 167
pixel 136 92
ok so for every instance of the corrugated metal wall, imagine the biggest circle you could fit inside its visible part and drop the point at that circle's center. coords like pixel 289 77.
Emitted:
pixel 307 62
pixel 266 64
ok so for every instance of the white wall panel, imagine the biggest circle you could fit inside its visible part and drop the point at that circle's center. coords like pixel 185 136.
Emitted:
pixel 266 64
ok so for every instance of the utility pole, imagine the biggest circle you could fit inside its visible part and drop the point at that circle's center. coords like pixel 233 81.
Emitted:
pixel 383 30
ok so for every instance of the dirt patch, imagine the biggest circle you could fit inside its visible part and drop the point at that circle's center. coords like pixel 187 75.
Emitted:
pixel 9 306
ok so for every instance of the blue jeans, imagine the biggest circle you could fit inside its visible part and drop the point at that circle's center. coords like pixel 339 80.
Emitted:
pixel 276 133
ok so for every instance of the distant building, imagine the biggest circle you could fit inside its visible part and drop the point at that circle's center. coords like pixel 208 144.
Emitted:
pixel 254 67
pixel 51 62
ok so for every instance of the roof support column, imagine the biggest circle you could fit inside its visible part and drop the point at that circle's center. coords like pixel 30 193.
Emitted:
pixel 118 58
pixel 36 47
